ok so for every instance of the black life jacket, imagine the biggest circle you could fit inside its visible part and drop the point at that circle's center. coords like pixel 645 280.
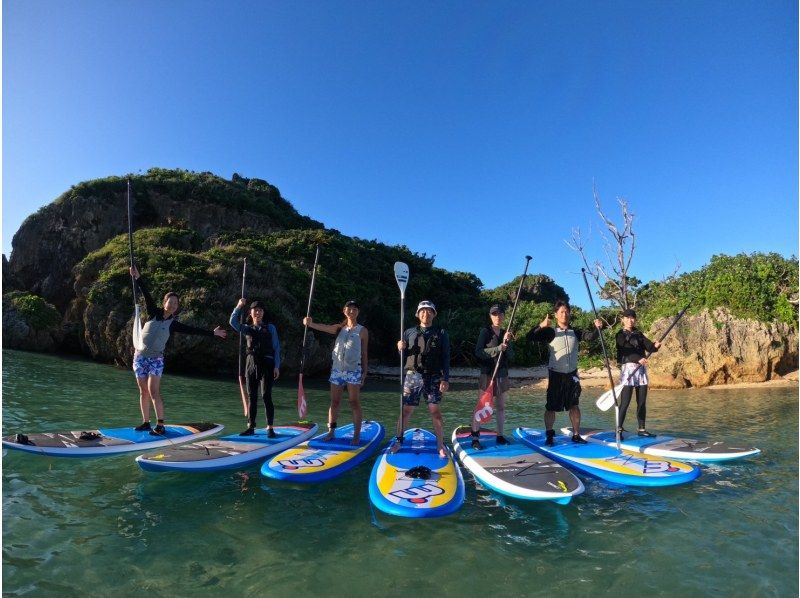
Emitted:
pixel 259 342
pixel 424 353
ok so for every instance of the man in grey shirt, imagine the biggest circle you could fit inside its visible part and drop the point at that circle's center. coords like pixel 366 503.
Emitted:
pixel 563 384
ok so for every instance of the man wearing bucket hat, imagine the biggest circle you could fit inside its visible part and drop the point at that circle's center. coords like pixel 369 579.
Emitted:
pixel 425 349
pixel 632 350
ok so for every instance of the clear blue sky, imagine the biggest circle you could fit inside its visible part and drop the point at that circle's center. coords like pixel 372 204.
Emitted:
pixel 472 131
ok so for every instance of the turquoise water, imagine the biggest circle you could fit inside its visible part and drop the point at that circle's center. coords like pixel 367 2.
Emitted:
pixel 72 526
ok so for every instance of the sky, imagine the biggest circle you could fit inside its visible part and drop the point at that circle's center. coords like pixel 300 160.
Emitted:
pixel 474 132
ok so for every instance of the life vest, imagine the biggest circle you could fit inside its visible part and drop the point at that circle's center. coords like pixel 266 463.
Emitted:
pixel 424 353
pixel 259 342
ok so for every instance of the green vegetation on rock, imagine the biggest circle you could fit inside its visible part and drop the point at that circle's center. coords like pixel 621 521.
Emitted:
pixel 36 311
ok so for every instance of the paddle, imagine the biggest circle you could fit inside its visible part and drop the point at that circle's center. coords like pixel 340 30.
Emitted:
pixel 137 316
pixel 605 358
pixel 606 400
pixel 401 276
pixel 485 407
pixel 242 386
pixel 302 406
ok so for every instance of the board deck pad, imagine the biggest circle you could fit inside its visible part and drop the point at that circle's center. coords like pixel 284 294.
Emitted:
pixel 514 469
pixel 227 452
pixel 605 462
pixel 318 460
pixel 394 489
pixel 670 446
pixel 107 441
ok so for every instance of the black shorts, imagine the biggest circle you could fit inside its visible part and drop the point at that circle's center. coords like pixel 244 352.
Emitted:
pixel 563 391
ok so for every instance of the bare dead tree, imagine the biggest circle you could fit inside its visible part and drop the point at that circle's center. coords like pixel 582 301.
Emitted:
pixel 613 277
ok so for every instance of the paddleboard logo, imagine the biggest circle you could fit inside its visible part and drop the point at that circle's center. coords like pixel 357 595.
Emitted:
pixel 418 495
pixel 644 466
pixel 485 413
pixel 294 464
pixel 417 439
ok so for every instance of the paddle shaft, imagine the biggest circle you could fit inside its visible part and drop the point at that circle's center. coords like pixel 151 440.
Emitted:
pixel 605 358
pixel 130 240
pixel 402 327
pixel 511 319
pixel 242 391
pixel 308 311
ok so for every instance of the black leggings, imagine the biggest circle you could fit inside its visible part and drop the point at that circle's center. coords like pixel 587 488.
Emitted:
pixel 260 380
pixel 641 404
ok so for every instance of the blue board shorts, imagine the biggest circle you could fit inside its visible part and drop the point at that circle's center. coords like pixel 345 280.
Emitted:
pixel 416 385
pixel 148 366
pixel 345 377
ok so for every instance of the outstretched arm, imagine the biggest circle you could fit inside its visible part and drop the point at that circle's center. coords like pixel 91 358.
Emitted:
pixel 329 328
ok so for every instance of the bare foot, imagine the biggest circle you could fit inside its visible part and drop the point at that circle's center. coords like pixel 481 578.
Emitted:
pixel 330 435
pixel 443 453
pixel 355 441
pixel 395 447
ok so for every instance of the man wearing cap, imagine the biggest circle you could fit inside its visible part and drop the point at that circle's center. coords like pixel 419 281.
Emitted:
pixel 425 351
pixel 632 350
pixel 348 365
pixel 494 343
pixel 563 384
pixel 263 362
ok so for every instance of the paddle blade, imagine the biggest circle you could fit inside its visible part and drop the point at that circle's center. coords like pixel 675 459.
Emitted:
pixel 302 406
pixel 485 407
pixel 401 276
pixel 606 400
pixel 245 398
pixel 138 343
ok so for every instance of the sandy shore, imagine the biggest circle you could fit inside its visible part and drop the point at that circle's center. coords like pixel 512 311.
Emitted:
pixel 591 378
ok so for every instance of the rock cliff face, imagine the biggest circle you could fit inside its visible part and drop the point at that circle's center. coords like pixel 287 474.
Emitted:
pixel 50 242
pixel 716 348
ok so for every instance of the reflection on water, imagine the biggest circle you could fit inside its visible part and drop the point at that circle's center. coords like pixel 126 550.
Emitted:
pixel 73 524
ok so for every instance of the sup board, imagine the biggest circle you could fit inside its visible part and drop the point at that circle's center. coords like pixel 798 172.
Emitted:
pixel 514 469
pixel 670 446
pixel 319 460
pixel 624 467
pixel 107 441
pixel 227 452
pixel 415 481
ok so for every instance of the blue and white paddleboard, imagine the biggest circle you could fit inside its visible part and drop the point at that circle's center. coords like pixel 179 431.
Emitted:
pixel 514 469
pixel 320 460
pixel 624 467
pixel 107 441
pixel 227 452
pixel 415 481
pixel 669 446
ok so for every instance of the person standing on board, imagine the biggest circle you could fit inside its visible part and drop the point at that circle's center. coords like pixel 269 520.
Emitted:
pixel 425 350
pixel 632 348
pixel 148 362
pixel 563 384
pixel 263 363
pixel 494 341
pixel 349 365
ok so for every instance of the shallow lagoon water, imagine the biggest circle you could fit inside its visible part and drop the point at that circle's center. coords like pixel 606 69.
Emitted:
pixel 103 525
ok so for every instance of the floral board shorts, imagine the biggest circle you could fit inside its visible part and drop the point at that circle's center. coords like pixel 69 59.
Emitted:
pixel 416 385
pixel 345 377
pixel 148 366
pixel 634 378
